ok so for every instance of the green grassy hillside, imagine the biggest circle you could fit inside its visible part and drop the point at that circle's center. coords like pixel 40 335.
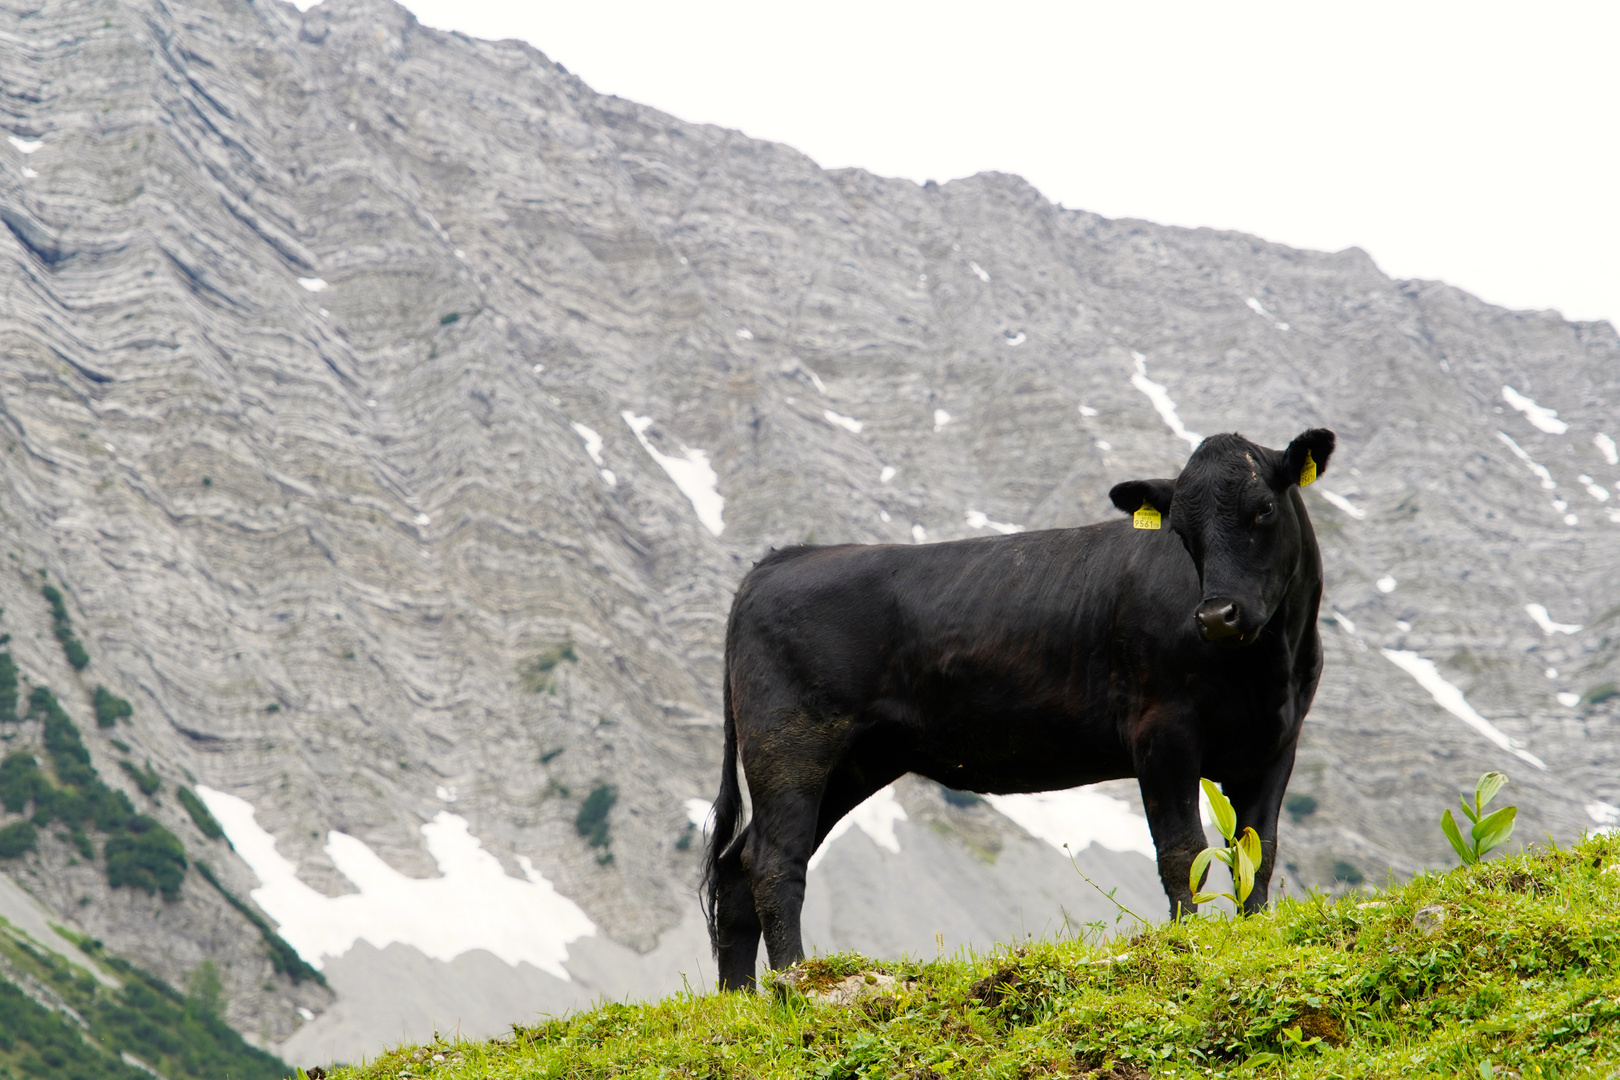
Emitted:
pixel 57 1020
pixel 1508 968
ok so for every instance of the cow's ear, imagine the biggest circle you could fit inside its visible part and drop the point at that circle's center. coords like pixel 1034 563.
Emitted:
pixel 1306 458
pixel 1132 495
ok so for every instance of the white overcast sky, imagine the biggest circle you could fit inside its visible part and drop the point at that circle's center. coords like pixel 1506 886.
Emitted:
pixel 1477 143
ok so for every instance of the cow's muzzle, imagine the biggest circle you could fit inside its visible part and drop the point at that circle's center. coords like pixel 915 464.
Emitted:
pixel 1220 621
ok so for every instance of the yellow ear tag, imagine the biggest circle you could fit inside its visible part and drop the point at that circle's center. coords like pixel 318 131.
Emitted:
pixel 1146 518
pixel 1308 473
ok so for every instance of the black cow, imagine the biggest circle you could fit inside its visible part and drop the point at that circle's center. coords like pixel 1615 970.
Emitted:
pixel 1030 662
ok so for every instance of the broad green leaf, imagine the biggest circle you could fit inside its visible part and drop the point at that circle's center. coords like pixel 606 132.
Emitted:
pixel 1200 866
pixel 1494 830
pixel 1469 810
pixel 1243 871
pixel 1221 807
pixel 1250 843
pixel 1206 897
pixel 1448 825
pixel 1488 786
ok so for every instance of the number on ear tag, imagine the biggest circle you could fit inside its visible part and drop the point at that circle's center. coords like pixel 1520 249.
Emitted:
pixel 1308 473
pixel 1146 518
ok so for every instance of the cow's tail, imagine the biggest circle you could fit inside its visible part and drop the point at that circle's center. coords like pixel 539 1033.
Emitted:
pixel 725 816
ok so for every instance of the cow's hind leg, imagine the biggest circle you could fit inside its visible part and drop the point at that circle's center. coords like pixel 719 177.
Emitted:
pixel 780 841
pixel 799 823
pixel 736 922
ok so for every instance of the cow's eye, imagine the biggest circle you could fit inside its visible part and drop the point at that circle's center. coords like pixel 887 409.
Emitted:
pixel 1267 511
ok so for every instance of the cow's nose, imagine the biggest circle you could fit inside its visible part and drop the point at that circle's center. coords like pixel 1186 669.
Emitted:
pixel 1218 620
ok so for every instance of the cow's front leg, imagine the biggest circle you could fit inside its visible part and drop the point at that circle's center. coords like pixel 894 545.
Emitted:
pixel 1167 772
pixel 1258 801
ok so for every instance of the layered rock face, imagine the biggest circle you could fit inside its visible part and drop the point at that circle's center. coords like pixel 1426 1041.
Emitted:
pixel 396 415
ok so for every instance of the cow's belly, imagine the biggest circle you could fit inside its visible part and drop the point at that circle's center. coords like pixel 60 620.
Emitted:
pixel 1010 754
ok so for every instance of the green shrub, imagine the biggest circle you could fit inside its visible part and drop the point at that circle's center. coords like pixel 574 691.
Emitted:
pixel 146 856
pixel 110 708
pixel 82 842
pixel 283 957
pixel 8 689
pixel 17 838
pixel 148 781
pixel 140 852
pixel 536 673
pixel 62 626
pixel 1347 873
pixel 592 820
pixel 199 814
pixel 1599 693
pixel 1299 807
pixel 446 320
pixel 20 781
pixel 62 742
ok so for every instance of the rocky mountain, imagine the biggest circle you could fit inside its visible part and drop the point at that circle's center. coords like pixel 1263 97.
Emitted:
pixel 393 415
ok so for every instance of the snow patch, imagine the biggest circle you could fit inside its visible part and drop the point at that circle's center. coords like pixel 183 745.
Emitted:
pixel 1259 309
pixel 29 174
pixel 423 519
pixel 1078 817
pixel 876 817
pixel 1571 519
pixel 1087 410
pixel 1518 451
pixel 1403 626
pixel 1451 699
pixel 848 423
pixel 473 904
pixel 1015 339
pixel 445 794
pixel 698 812
pixel 1104 445
pixel 941 418
pixel 1607 448
pixel 1601 494
pixel 691 473
pixel 1386 584
pixel 1161 401
pixel 1543 418
pixel 1567 699
pixel 1603 813
pixel 305 1013
pixel 980 521
pixel 1343 504
pixel 1548 627
pixel 745 333
pixel 313 284
pixel 1343 620
pixel 593 443
pixel 919 535
pixel 977 269
pixel 25 146
pixel 887 474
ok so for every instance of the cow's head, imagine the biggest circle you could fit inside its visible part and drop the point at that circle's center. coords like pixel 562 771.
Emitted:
pixel 1234 508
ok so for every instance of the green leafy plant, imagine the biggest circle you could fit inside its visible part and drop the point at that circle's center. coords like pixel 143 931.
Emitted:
pixel 592 820
pixel 72 647
pixel 199 813
pixel 536 674
pixel 110 708
pixel 1489 830
pixel 1241 853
